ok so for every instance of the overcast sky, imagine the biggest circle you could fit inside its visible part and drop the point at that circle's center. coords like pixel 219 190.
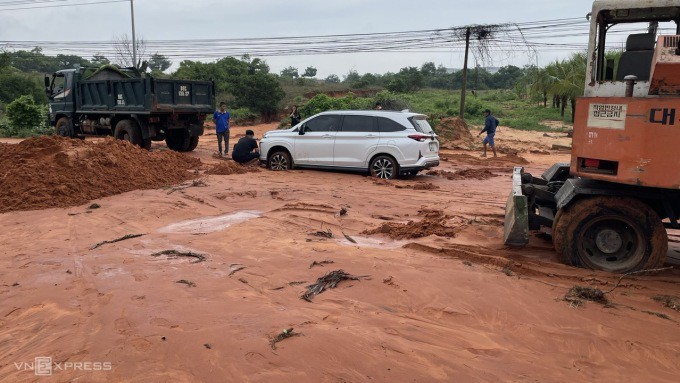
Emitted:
pixel 194 19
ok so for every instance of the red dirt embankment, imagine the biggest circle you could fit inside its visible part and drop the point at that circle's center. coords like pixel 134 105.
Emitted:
pixel 454 133
pixel 46 172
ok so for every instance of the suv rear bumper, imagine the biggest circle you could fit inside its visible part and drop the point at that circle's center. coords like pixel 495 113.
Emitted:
pixel 422 165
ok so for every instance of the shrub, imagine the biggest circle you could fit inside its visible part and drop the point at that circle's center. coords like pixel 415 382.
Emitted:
pixel 391 101
pixel 5 129
pixel 24 114
pixel 241 116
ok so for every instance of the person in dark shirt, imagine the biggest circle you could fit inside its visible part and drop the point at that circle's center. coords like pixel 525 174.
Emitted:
pixel 294 116
pixel 490 125
pixel 221 118
pixel 245 149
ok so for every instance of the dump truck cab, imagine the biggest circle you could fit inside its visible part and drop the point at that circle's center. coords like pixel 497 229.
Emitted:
pixel 60 91
pixel 609 206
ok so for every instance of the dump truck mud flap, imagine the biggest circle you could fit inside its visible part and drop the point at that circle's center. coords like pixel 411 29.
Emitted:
pixel 516 213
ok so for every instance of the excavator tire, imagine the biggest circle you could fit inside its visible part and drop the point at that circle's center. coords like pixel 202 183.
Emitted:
pixel 613 234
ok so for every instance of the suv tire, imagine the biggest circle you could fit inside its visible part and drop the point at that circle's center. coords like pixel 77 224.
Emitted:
pixel 279 160
pixel 384 167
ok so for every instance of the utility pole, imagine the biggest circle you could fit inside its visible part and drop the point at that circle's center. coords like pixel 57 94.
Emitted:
pixel 465 70
pixel 134 38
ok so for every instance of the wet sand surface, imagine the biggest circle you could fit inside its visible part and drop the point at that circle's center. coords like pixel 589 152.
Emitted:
pixel 429 308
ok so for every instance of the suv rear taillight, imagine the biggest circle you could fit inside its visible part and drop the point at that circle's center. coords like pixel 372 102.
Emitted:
pixel 419 137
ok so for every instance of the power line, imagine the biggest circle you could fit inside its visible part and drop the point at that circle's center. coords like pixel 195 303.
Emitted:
pixel 52 6
pixel 535 34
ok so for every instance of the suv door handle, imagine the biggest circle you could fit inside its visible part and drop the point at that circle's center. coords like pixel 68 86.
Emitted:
pixel 371 135
pixel 327 136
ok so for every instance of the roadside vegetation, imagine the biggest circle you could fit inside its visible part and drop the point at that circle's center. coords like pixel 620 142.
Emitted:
pixel 522 98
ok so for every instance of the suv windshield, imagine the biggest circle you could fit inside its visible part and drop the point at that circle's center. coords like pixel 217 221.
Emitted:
pixel 421 124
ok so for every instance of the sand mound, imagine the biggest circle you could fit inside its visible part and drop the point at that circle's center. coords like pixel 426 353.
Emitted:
pixel 230 167
pixel 419 186
pixel 454 133
pixel 431 224
pixel 466 159
pixel 45 172
pixel 466 174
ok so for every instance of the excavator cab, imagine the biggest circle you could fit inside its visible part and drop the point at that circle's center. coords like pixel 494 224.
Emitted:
pixel 609 207
pixel 640 22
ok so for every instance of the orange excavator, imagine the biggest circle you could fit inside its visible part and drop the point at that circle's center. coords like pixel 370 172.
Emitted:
pixel 609 208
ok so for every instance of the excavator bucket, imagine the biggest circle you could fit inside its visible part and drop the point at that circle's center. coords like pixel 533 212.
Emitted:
pixel 516 213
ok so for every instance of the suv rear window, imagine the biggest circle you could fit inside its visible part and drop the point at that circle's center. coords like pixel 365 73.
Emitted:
pixel 386 125
pixel 421 124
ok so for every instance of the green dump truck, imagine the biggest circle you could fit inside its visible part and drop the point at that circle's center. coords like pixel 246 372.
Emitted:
pixel 111 101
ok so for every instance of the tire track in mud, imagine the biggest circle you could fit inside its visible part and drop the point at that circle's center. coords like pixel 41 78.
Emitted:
pixel 548 272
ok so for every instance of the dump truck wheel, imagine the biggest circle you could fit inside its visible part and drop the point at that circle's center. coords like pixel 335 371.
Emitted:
pixel 128 131
pixel 64 128
pixel 146 144
pixel 178 140
pixel 193 143
pixel 279 160
pixel 384 167
pixel 614 234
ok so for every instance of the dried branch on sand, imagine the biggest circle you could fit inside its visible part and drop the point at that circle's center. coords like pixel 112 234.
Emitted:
pixel 285 334
pixel 328 281
pixel 123 238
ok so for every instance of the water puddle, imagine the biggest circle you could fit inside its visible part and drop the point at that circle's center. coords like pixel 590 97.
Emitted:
pixel 210 224
pixel 374 243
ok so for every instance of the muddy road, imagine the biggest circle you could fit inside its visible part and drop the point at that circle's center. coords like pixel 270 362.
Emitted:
pixel 192 281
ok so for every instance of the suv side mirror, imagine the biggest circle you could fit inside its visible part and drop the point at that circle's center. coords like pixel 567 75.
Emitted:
pixel 47 83
pixel 301 131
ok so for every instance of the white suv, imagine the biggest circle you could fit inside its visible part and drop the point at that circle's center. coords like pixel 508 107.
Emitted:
pixel 386 144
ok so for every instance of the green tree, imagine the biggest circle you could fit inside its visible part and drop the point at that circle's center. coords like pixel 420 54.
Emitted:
pixel 158 62
pixel 351 77
pixel 14 84
pixel 505 78
pixel 332 79
pixel 290 73
pixel 99 60
pixel 4 60
pixel 567 81
pixel 310 72
pixel 367 79
pixel 70 61
pixel 249 81
pixel 408 79
pixel 23 113
pixel 428 69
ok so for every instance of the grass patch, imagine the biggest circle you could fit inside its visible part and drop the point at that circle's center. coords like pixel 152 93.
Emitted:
pixel 671 302
pixel 577 294
pixel 438 104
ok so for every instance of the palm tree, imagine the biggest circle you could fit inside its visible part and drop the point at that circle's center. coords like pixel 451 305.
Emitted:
pixel 542 83
pixel 567 80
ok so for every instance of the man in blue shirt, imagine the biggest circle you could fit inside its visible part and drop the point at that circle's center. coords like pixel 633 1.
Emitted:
pixel 221 118
pixel 490 125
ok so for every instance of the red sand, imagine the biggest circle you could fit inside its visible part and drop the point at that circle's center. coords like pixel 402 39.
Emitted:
pixel 56 172
pixel 460 308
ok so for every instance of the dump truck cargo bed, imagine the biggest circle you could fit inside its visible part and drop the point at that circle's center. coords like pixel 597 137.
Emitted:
pixel 144 96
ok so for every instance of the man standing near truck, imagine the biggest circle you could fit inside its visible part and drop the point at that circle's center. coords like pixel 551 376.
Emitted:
pixel 221 118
